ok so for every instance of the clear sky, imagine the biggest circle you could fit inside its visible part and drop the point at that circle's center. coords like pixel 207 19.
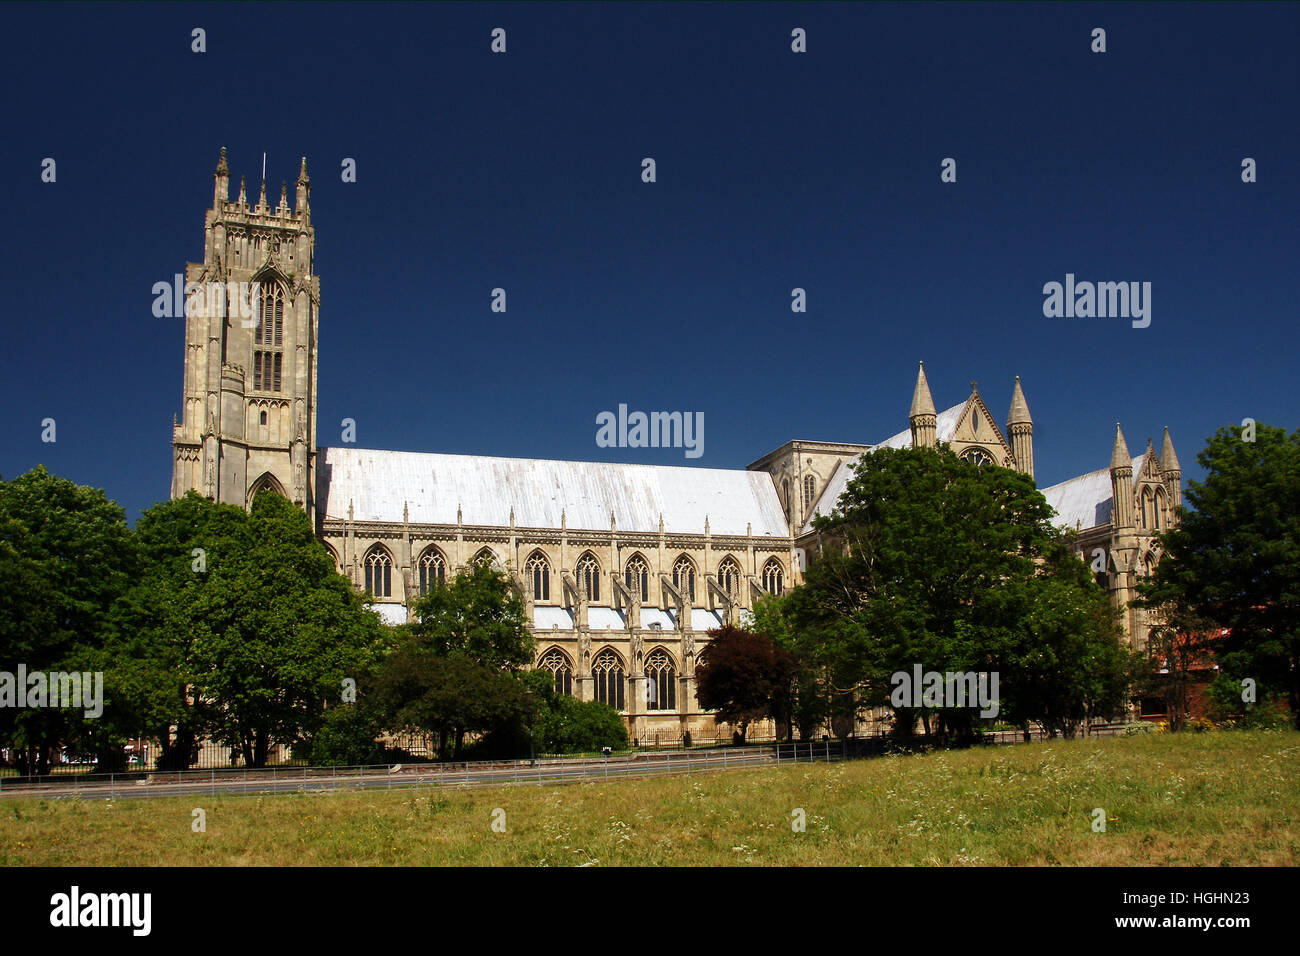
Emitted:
pixel 775 170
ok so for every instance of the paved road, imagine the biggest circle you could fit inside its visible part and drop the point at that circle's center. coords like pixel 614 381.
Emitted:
pixel 289 780
pixel 555 770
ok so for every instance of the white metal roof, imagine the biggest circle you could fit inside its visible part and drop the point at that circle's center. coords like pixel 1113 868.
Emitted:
pixel 703 619
pixel 546 617
pixel 1088 500
pixel 605 619
pixel 653 615
pixel 378 483
pixel 1082 502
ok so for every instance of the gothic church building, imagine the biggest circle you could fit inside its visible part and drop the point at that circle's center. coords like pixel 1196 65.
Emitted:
pixel 624 567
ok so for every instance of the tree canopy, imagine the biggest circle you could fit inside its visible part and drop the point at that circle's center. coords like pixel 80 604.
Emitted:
pixel 933 561
pixel 1234 556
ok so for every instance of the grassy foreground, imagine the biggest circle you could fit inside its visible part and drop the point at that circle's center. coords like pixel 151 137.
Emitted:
pixel 1226 798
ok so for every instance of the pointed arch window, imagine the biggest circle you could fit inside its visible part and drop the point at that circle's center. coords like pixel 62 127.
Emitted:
pixel 1159 506
pixel 269 337
pixel 379 573
pixel 809 490
pixel 773 577
pixel 684 577
pixel 607 673
pixel 538 573
pixel 589 576
pixel 433 570
pixel 557 662
pixel 637 577
pixel 661 681
pixel 729 577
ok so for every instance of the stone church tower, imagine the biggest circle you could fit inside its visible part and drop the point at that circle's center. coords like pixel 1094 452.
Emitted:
pixel 249 418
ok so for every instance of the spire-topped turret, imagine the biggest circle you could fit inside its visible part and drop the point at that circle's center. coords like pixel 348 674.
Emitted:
pixel 221 184
pixel 1172 471
pixel 1019 414
pixel 923 416
pixel 1121 485
pixel 1169 460
pixel 283 207
pixel 301 207
pixel 922 403
pixel 1119 456
pixel 1020 431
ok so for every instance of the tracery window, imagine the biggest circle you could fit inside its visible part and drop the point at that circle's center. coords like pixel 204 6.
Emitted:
pixel 773 577
pixel 557 662
pixel 684 577
pixel 729 577
pixel 976 456
pixel 269 333
pixel 433 570
pixel 589 576
pixel 379 573
pixel 485 556
pixel 637 577
pixel 607 672
pixel 661 681
pixel 538 572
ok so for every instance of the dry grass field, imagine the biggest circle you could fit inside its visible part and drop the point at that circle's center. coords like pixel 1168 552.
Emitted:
pixel 1211 799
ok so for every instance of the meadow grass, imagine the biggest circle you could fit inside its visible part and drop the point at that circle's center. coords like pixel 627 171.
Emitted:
pixel 1213 799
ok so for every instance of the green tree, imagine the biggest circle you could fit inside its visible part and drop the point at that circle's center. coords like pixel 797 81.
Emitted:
pixel 294 630
pixel 1234 556
pixel 457 670
pixel 932 561
pixel 66 555
pixel 744 676
pixel 160 625
pixel 478 614
pixel 449 696
pixel 246 641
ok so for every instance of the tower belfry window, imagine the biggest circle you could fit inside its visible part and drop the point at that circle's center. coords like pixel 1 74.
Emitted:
pixel 268 335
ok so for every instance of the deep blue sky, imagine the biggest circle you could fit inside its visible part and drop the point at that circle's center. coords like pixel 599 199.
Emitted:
pixel 775 170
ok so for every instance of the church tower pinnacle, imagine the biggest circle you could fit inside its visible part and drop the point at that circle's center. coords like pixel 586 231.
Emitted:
pixel 249 416
pixel 923 416
pixel 1020 430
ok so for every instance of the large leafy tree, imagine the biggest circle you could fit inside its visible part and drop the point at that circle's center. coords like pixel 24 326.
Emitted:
pixel 1234 556
pixel 294 630
pixel 745 677
pixel 66 555
pixel 478 614
pixel 246 640
pixel 932 561
pixel 457 670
